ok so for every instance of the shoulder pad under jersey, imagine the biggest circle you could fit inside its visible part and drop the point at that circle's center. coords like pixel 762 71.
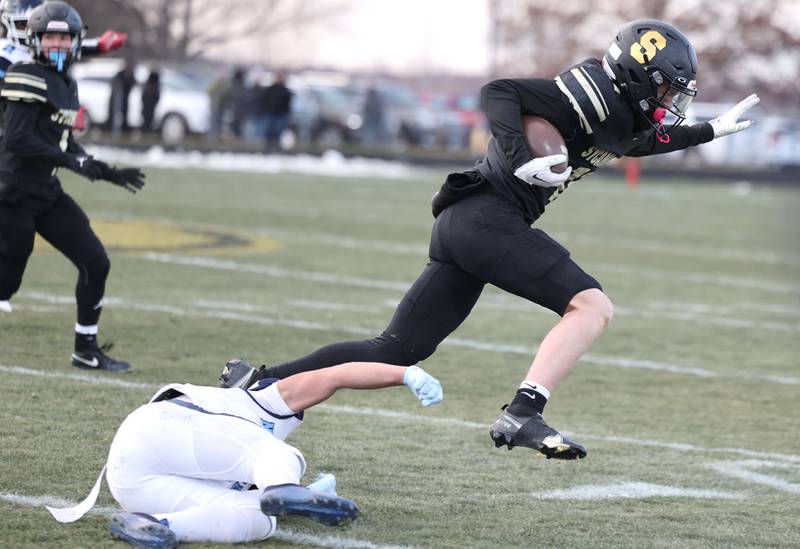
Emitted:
pixel 25 82
pixel 11 53
pixel 590 92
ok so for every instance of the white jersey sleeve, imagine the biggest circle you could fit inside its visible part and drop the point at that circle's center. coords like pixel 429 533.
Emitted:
pixel 11 53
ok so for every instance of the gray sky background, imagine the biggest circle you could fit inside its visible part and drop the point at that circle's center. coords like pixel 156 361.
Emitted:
pixel 401 36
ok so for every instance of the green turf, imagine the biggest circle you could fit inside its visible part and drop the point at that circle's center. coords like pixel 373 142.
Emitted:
pixel 705 279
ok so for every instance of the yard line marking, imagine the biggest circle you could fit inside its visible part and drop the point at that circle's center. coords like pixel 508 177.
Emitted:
pixel 300 538
pixel 742 470
pixel 700 278
pixel 328 278
pixel 733 254
pixel 525 350
pixel 633 490
pixel 425 419
pixel 77 377
pixel 275 272
pixel 421 249
pixel 53 501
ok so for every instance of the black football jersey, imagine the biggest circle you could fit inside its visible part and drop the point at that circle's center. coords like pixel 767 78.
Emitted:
pixel 40 107
pixel 586 107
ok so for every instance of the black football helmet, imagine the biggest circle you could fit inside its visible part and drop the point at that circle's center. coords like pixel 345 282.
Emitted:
pixel 655 67
pixel 60 17
pixel 14 19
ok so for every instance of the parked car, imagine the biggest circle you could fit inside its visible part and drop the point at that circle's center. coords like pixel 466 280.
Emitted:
pixel 184 106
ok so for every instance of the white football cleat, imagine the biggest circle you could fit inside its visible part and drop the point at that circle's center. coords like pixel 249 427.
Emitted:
pixel 5 307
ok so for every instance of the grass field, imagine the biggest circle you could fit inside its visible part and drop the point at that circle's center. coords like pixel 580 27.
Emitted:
pixel 688 405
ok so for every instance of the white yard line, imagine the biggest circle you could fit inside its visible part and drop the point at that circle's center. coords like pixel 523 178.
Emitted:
pixel 525 350
pixel 422 419
pixel 633 490
pixel 328 278
pixel 744 470
pixel 299 538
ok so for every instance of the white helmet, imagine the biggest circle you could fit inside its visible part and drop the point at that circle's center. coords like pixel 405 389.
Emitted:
pixel 14 19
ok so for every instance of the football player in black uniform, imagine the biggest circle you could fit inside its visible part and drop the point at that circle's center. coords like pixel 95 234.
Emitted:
pixel 604 109
pixel 41 104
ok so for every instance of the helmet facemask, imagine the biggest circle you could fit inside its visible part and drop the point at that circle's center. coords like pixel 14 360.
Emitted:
pixel 14 19
pixel 672 96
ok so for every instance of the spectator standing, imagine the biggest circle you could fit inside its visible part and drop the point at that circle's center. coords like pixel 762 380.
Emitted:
pixel 151 94
pixel 236 100
pixel 374 117
pixel 121 86
pixel 276 102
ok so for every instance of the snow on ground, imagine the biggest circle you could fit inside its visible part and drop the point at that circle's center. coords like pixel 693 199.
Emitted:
pixel 330 164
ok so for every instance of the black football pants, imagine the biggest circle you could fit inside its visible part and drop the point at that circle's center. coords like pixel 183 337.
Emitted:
pixel 478 240
pixel 63 224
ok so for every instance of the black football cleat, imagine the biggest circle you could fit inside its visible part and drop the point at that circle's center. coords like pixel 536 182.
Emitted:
pixel 532 432
pixel 237 373
pixel 97 359
pixel 293 499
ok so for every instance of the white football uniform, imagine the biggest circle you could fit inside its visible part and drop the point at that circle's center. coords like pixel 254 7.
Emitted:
pixel 11 53
pixel 192 454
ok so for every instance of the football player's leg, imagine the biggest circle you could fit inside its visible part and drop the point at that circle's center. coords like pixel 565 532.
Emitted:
pixel 435 305
pixel 67 228
pixel 539 269
pixel 17 232
pixel 198 510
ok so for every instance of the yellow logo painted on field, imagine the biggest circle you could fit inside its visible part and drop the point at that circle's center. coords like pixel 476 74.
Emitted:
pixel 145 236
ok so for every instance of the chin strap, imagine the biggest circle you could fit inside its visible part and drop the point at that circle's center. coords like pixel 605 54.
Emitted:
pixel 658 117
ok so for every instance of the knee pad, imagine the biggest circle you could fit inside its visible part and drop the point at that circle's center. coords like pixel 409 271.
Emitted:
pixel 95 270
pixel 407 352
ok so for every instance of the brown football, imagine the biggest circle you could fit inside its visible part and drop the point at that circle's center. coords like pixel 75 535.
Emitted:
pixel 543 140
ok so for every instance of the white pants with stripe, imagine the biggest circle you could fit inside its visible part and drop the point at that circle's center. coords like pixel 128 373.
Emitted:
pixel 178 463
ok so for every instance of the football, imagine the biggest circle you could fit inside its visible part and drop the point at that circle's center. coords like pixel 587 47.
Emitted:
pixel 544 139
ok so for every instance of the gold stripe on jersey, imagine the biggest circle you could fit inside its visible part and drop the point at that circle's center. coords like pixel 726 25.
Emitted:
pixel 575 105
pixel 17 95
pixel 596 89
pixel 593 96
pixel 25 80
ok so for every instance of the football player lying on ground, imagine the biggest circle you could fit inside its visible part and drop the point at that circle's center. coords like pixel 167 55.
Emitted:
pixel 40 103
pixel 603 109
pixel 185 465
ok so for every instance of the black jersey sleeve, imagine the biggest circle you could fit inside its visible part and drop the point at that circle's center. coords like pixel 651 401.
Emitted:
pixel 19 135
pixel 506 101
pixel 679 138
pixel 73 147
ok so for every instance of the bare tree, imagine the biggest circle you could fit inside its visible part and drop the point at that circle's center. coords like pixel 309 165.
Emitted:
pixel 186 29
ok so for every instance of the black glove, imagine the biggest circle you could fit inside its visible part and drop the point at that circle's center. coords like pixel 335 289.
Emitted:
pixel 131 179
pixel 86 166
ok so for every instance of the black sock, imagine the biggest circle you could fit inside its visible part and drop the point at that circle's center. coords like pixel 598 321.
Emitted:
pixel 527 402
pixel 85 342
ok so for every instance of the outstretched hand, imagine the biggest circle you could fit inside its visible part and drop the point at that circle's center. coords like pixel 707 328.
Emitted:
pixel 424 386
pixel 111 40
pixel 729 122
pixel 131 179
